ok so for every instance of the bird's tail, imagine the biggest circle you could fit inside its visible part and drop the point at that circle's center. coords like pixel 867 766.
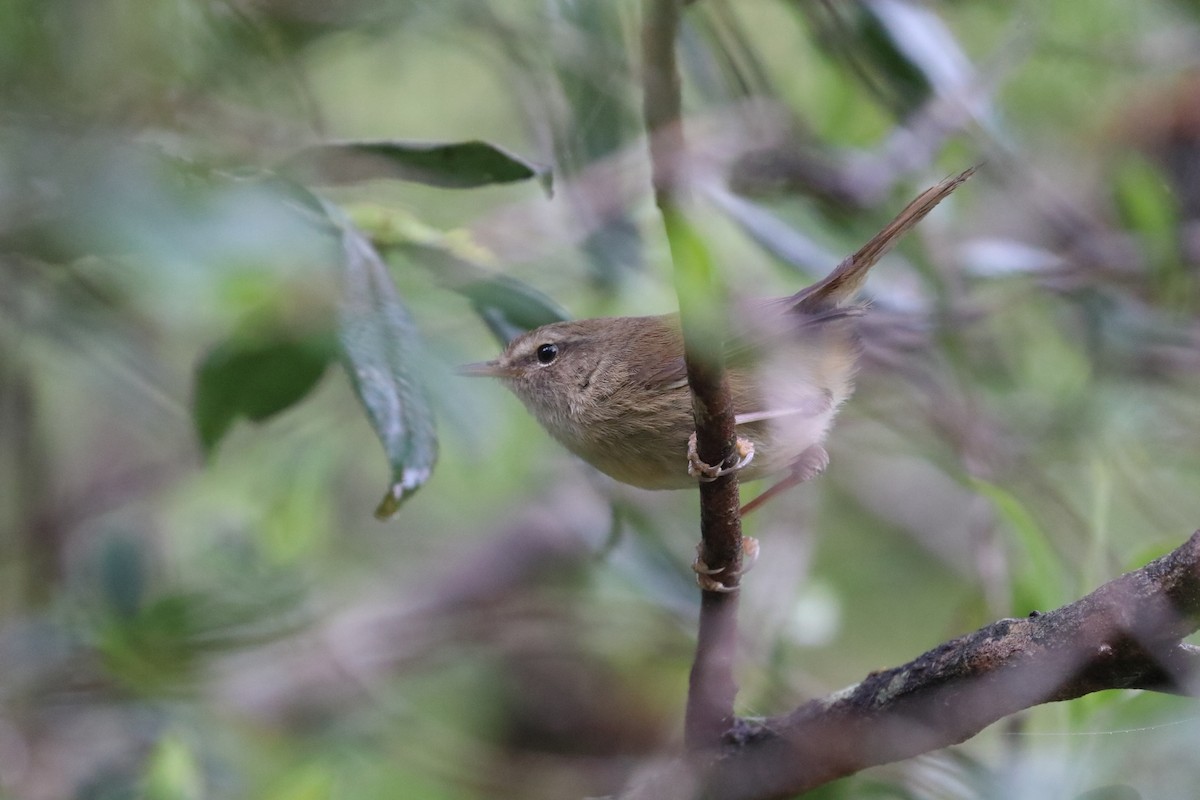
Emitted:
pixel 842 284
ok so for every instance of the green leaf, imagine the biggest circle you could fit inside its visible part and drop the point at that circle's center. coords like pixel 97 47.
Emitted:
pixel 450 165
pixel 1150 209
pixel 895 49
pixel 902 53
pixel 312 781
pixel 508 306
pixel 173 772
pixel 600 116
pixel 1039 581
pixel 1145 200
pixel 379 348
pixel 255 377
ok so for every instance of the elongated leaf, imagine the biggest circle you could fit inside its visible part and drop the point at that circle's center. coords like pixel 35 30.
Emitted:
pixel 1151 211
pixel 1038 584
pixel 914 50
pixel 1145 200
pixel 174 770
pixel 508 306
pixel 593 70
pixel 451 165
pixel 901 51
pixel 379 345
pixel 254 377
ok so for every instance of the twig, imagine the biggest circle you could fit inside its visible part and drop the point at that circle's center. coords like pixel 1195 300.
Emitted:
pixel 711 688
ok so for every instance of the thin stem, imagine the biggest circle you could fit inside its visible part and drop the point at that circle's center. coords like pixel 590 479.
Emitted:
pixel 711 688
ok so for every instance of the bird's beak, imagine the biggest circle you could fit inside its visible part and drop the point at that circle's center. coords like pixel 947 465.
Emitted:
pixel 486 369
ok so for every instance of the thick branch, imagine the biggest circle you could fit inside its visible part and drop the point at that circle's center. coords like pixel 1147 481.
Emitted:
pixel 712 688
pixel 1124 635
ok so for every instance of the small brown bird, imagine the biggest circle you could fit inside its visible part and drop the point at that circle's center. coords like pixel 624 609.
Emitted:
pixel 614 390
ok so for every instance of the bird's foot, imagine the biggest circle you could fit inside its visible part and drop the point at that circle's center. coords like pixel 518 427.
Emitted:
pixel 743 454
pixel 705 575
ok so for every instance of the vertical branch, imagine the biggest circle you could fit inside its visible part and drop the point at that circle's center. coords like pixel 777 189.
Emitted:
pixel 711 687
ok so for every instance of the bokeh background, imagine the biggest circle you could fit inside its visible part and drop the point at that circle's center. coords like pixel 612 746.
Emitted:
pixel 193 605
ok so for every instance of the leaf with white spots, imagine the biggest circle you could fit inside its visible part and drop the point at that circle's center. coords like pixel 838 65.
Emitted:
pixel 380 345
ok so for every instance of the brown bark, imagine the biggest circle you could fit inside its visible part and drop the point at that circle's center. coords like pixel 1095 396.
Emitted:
pixel 1125 635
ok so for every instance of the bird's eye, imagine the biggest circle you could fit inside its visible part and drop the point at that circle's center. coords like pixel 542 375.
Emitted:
pixel 547 353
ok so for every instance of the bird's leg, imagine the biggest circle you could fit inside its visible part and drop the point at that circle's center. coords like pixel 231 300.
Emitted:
pixel 810 464
pixel 743 454
pixel 704 574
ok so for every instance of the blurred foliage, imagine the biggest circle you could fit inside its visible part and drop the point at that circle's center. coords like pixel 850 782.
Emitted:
pixel 206 205
pixel 253 379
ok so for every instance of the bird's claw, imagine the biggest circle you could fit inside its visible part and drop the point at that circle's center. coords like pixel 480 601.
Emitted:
pixel 743 454
pixel 705 573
